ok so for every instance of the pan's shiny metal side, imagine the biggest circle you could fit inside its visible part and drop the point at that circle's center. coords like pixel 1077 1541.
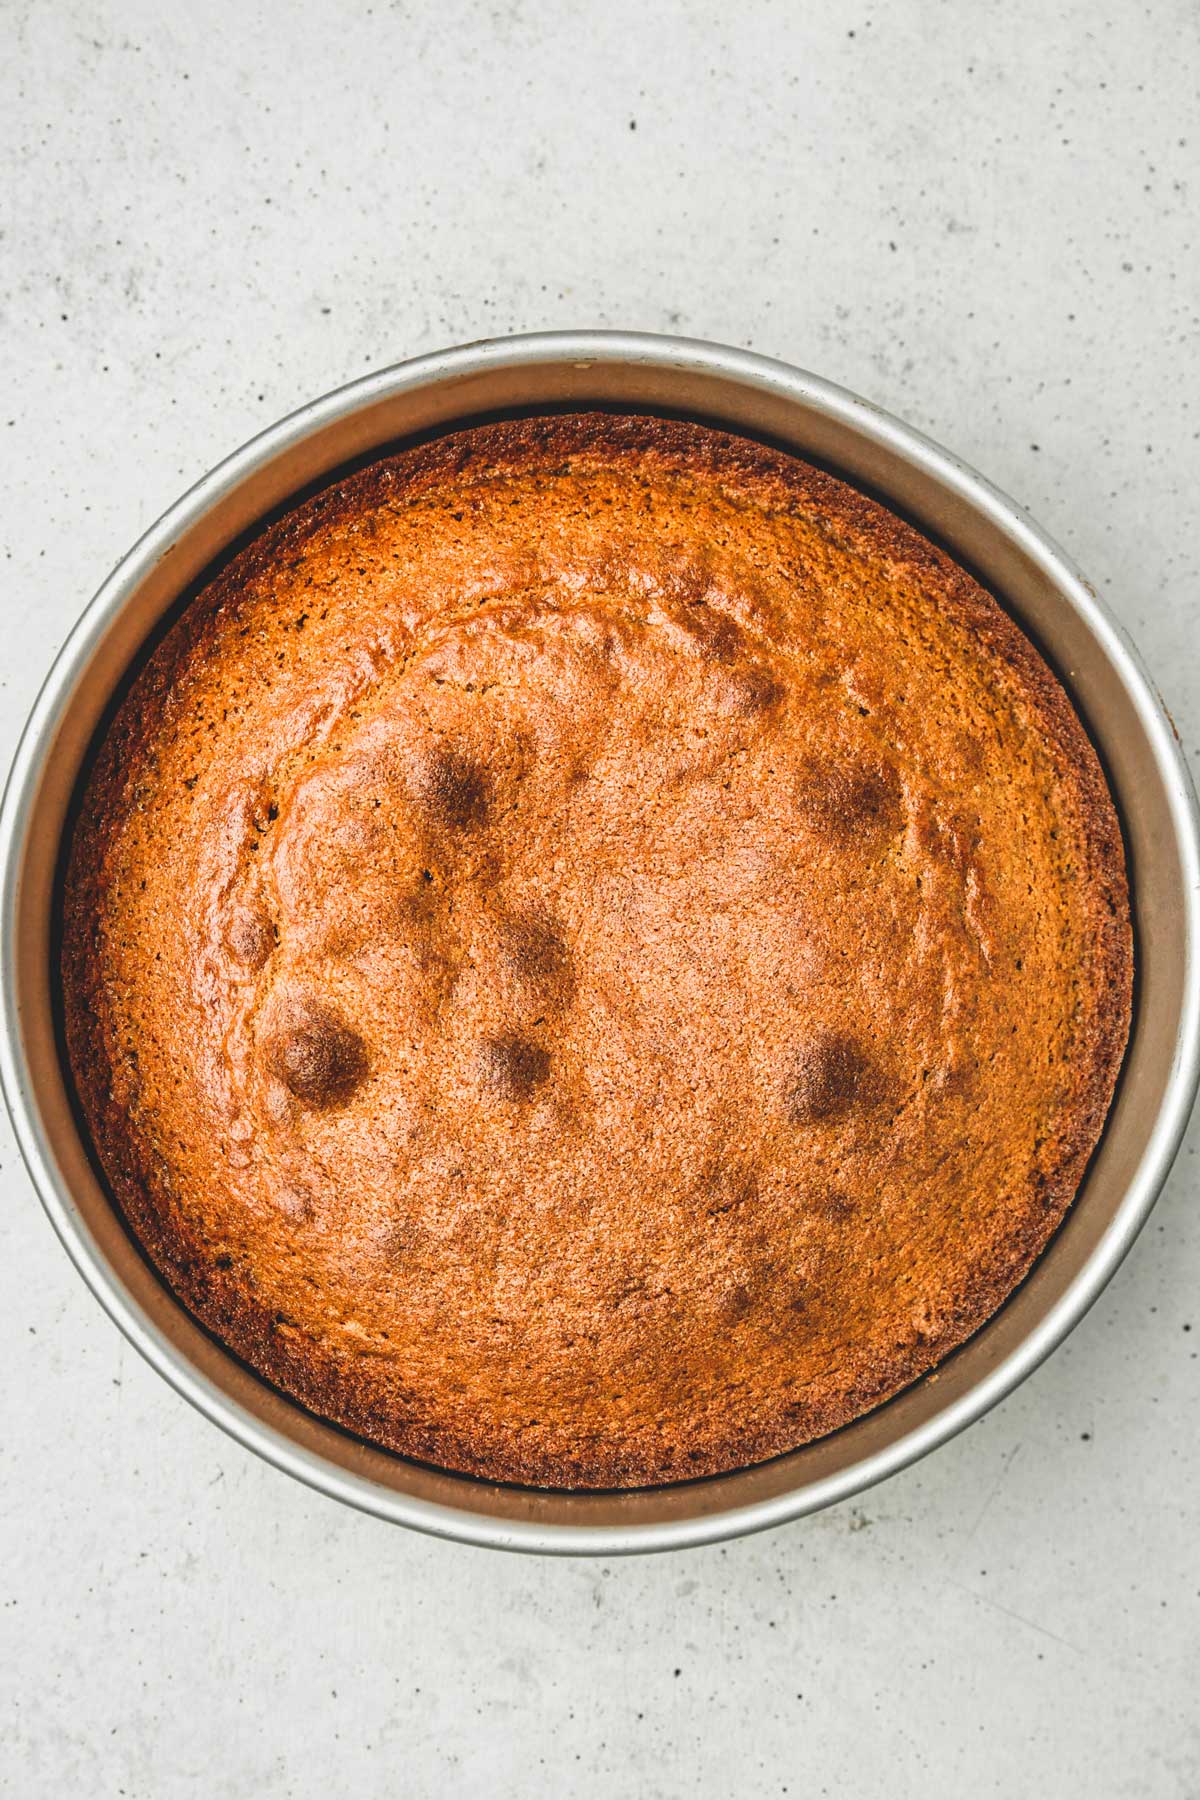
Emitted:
pixel 977 523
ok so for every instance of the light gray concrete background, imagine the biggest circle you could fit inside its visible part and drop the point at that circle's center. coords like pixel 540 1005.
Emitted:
pixel 983 217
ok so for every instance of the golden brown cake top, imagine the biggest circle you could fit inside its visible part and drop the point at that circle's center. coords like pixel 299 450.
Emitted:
pixel 593 954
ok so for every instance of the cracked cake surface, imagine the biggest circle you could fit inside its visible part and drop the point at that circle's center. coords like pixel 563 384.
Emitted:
pixel 592 953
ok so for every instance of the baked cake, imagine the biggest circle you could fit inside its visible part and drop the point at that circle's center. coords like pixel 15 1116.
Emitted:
pixel 594 954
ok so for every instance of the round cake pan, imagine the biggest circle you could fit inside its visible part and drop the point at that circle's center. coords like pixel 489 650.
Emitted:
pixel 979 526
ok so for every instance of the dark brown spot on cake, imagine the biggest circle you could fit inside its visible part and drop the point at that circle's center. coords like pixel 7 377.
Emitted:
pixel 537 950
pixel 842 800
pixel 830 1078
pixel 512 1067
pixel 453 789
pixel 318 1057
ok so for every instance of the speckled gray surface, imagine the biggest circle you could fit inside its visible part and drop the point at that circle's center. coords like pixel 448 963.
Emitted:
pixel 983 218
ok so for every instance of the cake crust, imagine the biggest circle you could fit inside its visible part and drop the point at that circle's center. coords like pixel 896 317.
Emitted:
pixel 593 953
